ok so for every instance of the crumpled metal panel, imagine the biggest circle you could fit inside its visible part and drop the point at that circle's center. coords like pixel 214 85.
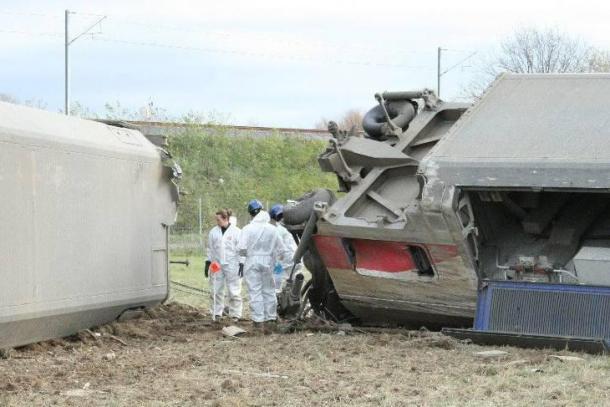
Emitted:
pixel 542 131
pixel 85 212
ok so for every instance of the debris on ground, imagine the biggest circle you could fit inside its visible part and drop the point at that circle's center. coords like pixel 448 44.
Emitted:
pixel 491 354
pixel 174 355
pixel 110 356
pixel 5 353
pixel 131 314
pixel 233 331
pixel 565 358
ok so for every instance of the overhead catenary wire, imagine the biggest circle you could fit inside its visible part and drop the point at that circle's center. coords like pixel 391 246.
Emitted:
pixel 439 73
pixel 222 51
pixel 255 54
pixel 28 14
pixel 289 43
pixel 164 27
pixel 459 63
pixel 457 50
pixel 133 20
pixel 35 14
pixel 33 33
pixel 86 31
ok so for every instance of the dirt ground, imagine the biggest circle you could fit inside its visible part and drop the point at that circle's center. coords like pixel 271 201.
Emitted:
pixel 174 355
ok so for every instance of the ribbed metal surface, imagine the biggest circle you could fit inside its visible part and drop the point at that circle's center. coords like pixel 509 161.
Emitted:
pixel 521 134
pixel 549 310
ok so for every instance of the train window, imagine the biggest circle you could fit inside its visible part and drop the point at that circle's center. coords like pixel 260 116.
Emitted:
pixel 420 258
pixel 394 259
pixel 349 250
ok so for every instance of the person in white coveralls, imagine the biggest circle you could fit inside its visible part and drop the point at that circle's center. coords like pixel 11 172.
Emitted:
pixel 260 246
pixel 282 269
pixel 223 262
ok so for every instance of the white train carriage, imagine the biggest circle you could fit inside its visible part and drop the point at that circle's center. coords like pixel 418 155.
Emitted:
pixel 84 217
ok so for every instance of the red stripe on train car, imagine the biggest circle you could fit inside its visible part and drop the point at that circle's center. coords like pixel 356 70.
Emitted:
pixel 378 255
pixel 385 256
pixel 332 252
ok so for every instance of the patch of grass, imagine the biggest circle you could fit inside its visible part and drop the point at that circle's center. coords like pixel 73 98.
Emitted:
pixel 192 276
pixel 228 171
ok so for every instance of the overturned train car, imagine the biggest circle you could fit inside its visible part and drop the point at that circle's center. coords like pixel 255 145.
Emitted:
pixel 441 198
pixel 530 164
pixel 384 252
pixel 85 212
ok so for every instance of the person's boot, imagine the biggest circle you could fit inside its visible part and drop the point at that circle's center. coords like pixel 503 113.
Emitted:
pixel 270 327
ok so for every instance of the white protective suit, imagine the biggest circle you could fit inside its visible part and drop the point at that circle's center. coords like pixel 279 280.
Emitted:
pixel 223 249
pixel 260 246
pixel 286 264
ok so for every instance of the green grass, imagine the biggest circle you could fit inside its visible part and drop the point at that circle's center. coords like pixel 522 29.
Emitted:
pixel 192 276
pixel 228 171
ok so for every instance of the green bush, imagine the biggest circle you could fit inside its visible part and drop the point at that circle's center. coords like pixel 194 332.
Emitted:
pixel 227 171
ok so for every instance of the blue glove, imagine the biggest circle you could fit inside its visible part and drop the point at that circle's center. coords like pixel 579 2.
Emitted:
pixel 278 269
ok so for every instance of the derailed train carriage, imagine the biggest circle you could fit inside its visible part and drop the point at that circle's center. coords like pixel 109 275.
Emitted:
pixel 507 200
pixel 85 212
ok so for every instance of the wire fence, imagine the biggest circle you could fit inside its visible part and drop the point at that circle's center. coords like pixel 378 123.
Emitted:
pixel 187 241
pixel 190 237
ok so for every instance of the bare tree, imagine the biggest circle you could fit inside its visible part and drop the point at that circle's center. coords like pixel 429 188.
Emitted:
pixel 350 119
pixel 5 97
pixel 37 103
pixel 599 61
pixel 530 50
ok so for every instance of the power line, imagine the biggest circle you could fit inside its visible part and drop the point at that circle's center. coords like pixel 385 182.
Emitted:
pixel 289 44
pixel 45 34
pixel 459 63
pixel 440 73
pixel 28 14
pixel 58 16
pixel 162 27
pixel 80 13
pixel 457 50
pixel 132 20
pixel 225 51
pixel 254 54
pixel 121 20
pixel 69 40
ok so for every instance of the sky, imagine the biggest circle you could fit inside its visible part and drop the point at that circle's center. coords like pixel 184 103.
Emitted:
pixel 264 63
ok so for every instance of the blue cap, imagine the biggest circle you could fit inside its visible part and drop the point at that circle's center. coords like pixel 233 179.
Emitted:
pixel 254 206
pixel 277 212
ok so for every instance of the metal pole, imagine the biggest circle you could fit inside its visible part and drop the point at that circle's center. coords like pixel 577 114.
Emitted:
pixel 67 43
pixel 200 226
pixel 214 296
pixel 438 72
pixel 67 68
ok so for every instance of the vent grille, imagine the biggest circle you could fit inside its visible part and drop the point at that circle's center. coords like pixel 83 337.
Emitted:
pixel 544 309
